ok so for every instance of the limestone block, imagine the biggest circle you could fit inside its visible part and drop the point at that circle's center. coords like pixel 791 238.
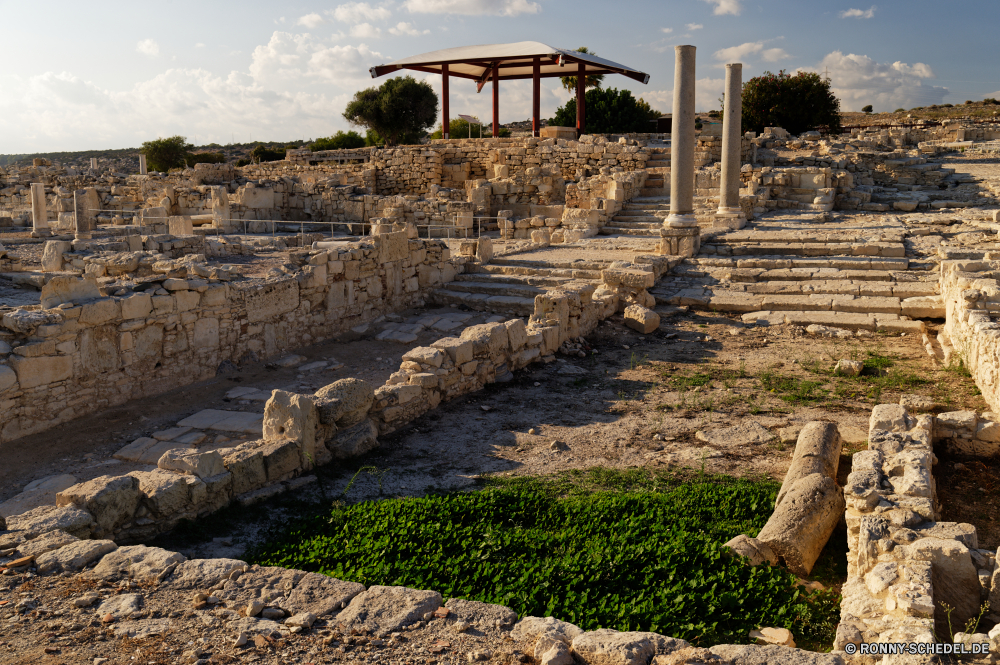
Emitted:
pixel 483 615
pixel 459 350
pixel 382 610
pixel 143 564
pixel 766 654
pixel 167 494
pixel 954 576
pixel 281 460
pixel 355 440
pixel 289 416
pixel 799 528
pixel 52 255
pixel 529 629
pixel 817 451
pixel 246 464
pixel 65 289
pixel 47 542
pixel 425 355
pixel 488 339
pixel 848 367
pixel 345 402
pixel 610 647
pixel 206 334
pixel 70 519
pixel 392 246
pixel 517 334
pixel 194 463
pixel 112 500
pixel 73 557
pixel 888 417
pixel 8 378
pixel 484 250
pixel 204 573
pixel 640 319
pixel 320 595
pixel 635 279
pixel 137 306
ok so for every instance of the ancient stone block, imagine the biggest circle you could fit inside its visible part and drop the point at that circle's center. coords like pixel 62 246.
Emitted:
pixel 112 500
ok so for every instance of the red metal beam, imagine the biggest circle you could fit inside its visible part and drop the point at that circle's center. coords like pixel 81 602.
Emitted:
pixel 496 102
pixel 445 121
pixel 581 100
pixel 536 86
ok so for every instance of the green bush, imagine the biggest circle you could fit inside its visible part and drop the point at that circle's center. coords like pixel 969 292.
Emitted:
pixel 165 154
pixel 646 558
pixel 263 153
pixel 609 111
pixel 867 109
pixel 799 103
pixel 401 108
pixel 339 141
pixel 206 158
pixel 900 111
pixel 459 129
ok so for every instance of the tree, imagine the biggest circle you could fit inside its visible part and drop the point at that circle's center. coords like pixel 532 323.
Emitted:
pixel 165 154
pixel 799 103
pixel 459 129
pixel 591 81
pixel 867 109
pixel 400 108
pixel 339 141
pixel 609 111
pixel 263 153
pixel 206 158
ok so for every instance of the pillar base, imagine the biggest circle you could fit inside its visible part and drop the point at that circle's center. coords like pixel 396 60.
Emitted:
pixel 84 236
pixel 683 241
pixel 41 233
pixel 687 220
pixel 730 218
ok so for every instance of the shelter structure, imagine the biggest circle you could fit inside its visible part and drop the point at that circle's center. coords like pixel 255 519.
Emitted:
pixel 491 63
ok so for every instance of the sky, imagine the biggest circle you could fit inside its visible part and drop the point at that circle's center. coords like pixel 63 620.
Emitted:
pixel 98 75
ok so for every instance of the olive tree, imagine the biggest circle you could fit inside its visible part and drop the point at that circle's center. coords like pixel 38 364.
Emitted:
pixel 401 109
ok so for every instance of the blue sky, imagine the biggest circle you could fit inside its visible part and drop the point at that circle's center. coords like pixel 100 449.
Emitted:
pixel 111 75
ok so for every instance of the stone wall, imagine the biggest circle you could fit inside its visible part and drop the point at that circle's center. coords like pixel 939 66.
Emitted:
pixel 903 563
pixel 85 353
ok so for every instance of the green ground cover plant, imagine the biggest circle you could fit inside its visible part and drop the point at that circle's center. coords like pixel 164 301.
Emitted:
pixel 630 550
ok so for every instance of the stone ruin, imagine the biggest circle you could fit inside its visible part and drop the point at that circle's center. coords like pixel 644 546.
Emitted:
pixel 117 285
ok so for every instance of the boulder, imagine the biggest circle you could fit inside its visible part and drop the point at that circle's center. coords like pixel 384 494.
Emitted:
pixel 611 647
pixel 345 402
pixel 382 610
pixel 74 521
pixel 806 517
pixel 47 542
pixel 73 557
pixel 320 595
pixel 779 636
pixel 112 500
pixel 204 573
pixel 121 606
pixel 641 319
pixel 848 367
pixel 483 615
pixel 200 464
pixel 138 562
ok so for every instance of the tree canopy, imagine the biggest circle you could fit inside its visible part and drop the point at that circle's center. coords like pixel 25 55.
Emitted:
pixel 400 109
pixel 592 80
pixel 609 111
pixel 459 129
pixel 339 141
pixel 165 154
pixel 799 103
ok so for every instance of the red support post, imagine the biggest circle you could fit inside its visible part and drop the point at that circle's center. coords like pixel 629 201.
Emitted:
pixel 496 100
pixel 536 84
pixel 581 99
pixel 445 120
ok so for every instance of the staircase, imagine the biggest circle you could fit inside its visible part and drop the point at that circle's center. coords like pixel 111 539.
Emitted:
pixel 846 276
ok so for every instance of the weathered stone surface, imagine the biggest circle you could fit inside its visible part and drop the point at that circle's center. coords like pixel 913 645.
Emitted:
pixel 246 463
pixel 746 433
pixel 488 339
pixel 320 595
pixel 200 464
pixel 752 654
pixel 345 402
pixel 138 562
pixel 817 451
pixel 252 626
pixel 887 417
pixel 641 319
pixel 484 615
pixel 73 557
pixel 203 573
pixel 848 367
pixel 41 492
pixel 780 636
pixel 281 460
pixel 41 370
pixel 120 606
pixel 46 542
pixel 289 416
pixel 690 656
pixel 382 610
pixel 610 647
pixel 530 628
pixel 74 521
pixel 800 526
pixel 143 628
pixel 168 494
pixel 353 441
pixel 754 550
pixel 112 500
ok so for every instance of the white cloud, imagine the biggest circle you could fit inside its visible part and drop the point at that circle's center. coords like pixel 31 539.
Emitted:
pixel 694 26
pixel 744 51
pixel 148 47
pixel 725 7
pixel 403 28
pixel 666 31
pixel 707 93
pixel 199 45
pixel 774 54
pixel 858 80
pixel 474 7
pixel 858 13
pixel 365 31
pixel 357 12
pixel 310 20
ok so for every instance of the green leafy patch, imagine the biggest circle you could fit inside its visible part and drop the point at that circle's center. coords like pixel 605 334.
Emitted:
pixel 629 550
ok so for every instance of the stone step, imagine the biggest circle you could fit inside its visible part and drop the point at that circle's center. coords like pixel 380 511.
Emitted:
pixel 839 262
pixel 844 320
pixel 638 222
pixel 496 288
pixel 578 264
pixel 536 280
pixel 576 274
pixel 880 249
pixel 797 236
pixel 723 300
pixel 629 231
pixel 658 164
pixel 482 302
pixel 624 217
pixel 780 275
pixel 820 285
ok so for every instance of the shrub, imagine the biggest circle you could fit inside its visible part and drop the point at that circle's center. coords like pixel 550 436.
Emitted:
pixel 263 153
pixel 165 154
pixel 867 109
pixel 339 141
pixel 900 111
pixel 799 103
pixel 401 108
pixel 609 111
pixel 459 129
pixel 206 158
pixel 649 557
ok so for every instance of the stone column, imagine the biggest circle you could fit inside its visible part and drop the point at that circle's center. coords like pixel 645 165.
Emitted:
pixel 682 141
pixel 93 163
pixel 729 188
pixel 84 216
pixel 39 213
pixel 220 209
pixel 142 164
